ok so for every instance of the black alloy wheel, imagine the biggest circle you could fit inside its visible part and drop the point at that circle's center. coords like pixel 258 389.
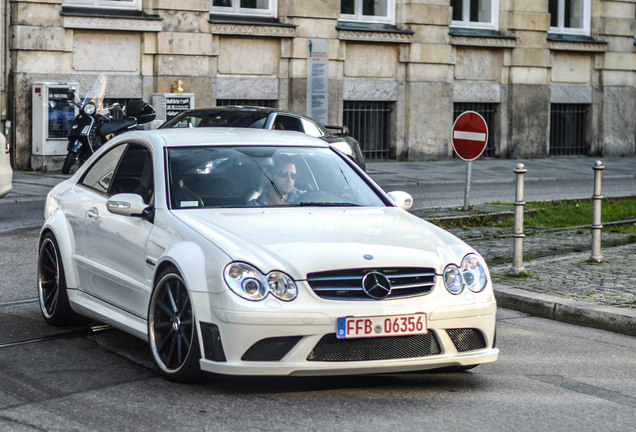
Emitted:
pixel 172 332
pixel 52 292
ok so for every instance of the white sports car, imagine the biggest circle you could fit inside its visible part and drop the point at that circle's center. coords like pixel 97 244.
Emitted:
pixel 239 251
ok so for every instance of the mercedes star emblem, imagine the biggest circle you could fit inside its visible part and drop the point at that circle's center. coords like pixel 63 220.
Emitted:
pixel 376 285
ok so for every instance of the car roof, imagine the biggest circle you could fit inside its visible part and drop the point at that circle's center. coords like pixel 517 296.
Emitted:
pixel 180 137
pixel 251 108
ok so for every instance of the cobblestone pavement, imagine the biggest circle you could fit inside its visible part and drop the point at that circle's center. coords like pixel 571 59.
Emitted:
pixel 611 282
pixel 558 263
pixel 557 260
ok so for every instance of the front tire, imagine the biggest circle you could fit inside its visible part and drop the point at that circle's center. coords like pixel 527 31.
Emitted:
pixel 52 293
pixel 172 333
pixel 71 158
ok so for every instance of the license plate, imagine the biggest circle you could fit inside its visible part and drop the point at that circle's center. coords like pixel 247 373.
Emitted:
pixel 383 325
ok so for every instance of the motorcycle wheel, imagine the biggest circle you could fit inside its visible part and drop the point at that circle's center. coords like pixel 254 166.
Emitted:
pixel 71 157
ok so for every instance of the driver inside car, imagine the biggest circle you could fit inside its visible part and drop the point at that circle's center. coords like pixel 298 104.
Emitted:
pixel 282 189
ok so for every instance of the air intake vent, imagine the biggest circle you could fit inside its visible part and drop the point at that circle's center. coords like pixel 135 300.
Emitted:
pixel 468 339
pixel 271 349
pixel 332 349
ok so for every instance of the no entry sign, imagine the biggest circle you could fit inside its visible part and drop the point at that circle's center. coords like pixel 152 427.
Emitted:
pixel 469 135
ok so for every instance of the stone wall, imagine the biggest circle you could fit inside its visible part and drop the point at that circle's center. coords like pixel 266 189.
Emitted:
pixel 422 67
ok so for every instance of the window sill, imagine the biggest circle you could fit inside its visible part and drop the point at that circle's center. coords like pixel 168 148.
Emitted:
pixel 109 19
pixel 250 26
pixel 355 31
pixel 560 42
pixel 481 38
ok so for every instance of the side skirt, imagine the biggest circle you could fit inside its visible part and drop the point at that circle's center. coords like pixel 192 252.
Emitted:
pixel 94 308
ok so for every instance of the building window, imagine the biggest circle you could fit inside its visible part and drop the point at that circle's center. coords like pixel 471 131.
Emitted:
pixel 488 111
pixel 567 129
pixel 570 16
pixel 368 122
pixel 110 4
pixel 370 11
pixel 257 8
pixel 269 103
pixel 478 14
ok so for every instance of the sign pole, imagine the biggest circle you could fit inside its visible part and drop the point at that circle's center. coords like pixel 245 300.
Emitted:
pixel 469 171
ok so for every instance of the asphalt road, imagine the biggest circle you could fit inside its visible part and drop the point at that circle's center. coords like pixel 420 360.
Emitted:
pixel 550 377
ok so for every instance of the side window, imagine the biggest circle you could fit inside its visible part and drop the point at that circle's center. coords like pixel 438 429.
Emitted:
pixel 134 173
pixel 311 128
pixel 100 175
pixel 284 122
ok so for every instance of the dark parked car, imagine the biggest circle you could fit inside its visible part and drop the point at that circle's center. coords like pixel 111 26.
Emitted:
pixel 269 118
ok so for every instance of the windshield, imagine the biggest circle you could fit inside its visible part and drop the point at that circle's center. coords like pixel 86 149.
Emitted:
pixel 96 93
pixel 213 177
pixel 218 118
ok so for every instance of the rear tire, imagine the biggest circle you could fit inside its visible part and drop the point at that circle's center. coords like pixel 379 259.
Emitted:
pixel 52 293
pixel 172 332
pixel 70 160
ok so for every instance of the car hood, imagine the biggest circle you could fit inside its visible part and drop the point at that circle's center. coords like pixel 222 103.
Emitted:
pixel 303 240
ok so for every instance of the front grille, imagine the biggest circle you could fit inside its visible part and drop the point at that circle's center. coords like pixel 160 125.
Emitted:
pixel 467 339
pixel 347 284
pixel 332 349
pixel 271 349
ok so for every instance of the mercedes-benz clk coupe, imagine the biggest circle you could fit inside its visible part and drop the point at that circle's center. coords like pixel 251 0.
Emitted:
pixel 257 252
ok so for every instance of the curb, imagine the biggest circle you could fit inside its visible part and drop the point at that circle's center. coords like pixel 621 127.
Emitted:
pixel 568 311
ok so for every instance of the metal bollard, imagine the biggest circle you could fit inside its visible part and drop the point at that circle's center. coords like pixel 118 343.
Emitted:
pixel 596 213
pixel 517 251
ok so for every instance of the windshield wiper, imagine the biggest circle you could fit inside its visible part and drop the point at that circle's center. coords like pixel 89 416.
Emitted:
pixel 325 204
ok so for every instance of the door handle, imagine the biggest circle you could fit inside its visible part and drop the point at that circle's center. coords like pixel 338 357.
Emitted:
pixel 93 213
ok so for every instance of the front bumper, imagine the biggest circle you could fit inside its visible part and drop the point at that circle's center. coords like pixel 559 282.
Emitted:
pixel 307 329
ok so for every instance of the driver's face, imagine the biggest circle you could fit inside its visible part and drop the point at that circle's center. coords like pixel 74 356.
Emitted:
pixel 285 177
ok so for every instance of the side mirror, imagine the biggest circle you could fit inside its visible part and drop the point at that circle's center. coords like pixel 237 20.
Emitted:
pixel 126 204
pixel 404 200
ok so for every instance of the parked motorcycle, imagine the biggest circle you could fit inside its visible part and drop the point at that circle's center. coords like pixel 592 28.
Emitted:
pixel 96 124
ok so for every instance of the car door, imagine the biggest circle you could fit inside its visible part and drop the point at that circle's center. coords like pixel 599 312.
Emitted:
pixel 115 244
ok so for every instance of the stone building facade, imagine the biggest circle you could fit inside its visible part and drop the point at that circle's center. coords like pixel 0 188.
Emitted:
pixel 526 62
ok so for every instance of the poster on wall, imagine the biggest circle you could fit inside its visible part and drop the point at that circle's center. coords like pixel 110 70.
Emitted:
pixel 318 79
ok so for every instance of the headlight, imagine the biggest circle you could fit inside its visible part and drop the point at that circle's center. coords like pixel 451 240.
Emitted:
pixel 474 273
pixel 343 147
pixel 89 108
pixel 251 284
pixel 452 279
pixel 471 274
pixel 281 285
